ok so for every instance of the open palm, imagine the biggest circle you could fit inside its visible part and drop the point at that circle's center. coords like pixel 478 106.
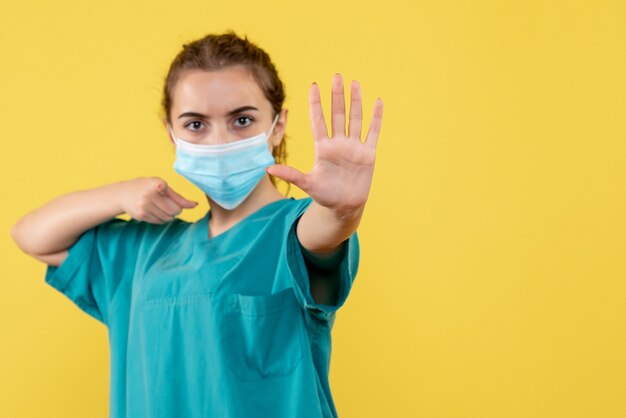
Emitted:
pixel 344 166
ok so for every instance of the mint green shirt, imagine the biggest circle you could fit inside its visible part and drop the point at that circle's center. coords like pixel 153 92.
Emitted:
pixel 209 327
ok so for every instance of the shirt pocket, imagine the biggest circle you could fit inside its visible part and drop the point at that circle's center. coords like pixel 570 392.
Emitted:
pixel 263 335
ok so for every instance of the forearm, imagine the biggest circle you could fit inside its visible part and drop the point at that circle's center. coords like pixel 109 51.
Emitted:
pixel 321 230
pixel 56 225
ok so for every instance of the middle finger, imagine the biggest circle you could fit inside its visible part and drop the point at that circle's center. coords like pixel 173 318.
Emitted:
pixel 159 213
pixel 356 111
pixel 338 107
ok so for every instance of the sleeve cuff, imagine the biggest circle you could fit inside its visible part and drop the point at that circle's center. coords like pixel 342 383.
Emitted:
pixel 326 262
pixel 60 277
pixel 347 267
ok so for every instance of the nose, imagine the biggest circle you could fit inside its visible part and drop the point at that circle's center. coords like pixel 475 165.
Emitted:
pixel 219 135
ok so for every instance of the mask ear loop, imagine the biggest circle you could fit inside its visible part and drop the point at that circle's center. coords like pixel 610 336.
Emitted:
pixel 273 124
pixel 173 136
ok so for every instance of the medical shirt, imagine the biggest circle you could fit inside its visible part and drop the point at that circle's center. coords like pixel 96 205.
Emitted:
pixel 208 327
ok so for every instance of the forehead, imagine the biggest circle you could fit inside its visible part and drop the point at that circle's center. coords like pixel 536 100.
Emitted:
pixel 217 91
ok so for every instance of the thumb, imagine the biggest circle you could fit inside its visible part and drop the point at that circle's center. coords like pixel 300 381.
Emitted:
pixel 290 174
pixel 178 199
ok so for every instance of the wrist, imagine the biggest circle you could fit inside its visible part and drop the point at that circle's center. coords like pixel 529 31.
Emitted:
pixel 346 218
pixel 113 197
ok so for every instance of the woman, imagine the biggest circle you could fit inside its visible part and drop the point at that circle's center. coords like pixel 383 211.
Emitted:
pixel 228 316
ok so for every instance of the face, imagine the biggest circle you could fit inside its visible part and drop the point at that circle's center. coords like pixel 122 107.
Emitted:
pixel 223 106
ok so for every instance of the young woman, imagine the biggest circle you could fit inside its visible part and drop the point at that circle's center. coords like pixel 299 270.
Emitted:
pixel 231 315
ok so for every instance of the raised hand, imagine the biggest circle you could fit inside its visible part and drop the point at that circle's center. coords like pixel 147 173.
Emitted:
pixel 344 166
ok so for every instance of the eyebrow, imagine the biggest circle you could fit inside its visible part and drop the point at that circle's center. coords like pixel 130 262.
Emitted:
pixel 232 112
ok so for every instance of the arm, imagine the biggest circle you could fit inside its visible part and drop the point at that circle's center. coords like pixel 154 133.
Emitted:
pixel 339 185
pixel 48 231
pixel 322 230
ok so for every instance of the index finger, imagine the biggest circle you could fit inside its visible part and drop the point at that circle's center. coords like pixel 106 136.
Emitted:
pixel 178 199
pixel 164 201
pixel 318 124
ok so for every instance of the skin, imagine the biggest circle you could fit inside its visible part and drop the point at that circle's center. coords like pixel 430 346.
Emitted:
pixel 339 182
pixel 196 91
pixel 341 177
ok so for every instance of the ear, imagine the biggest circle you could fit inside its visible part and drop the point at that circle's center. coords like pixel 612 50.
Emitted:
pixel 279 129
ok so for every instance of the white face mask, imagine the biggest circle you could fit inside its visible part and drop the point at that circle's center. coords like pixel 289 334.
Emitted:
pixel 227 173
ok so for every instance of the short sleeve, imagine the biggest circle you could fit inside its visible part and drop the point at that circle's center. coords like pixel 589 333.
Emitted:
pixel 101 258
pixel 346 268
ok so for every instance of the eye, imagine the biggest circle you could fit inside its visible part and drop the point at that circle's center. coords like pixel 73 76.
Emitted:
pixel 194 124
pixel 243 118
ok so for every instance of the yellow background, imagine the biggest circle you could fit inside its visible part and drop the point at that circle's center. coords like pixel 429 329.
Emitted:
pixel 492 274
